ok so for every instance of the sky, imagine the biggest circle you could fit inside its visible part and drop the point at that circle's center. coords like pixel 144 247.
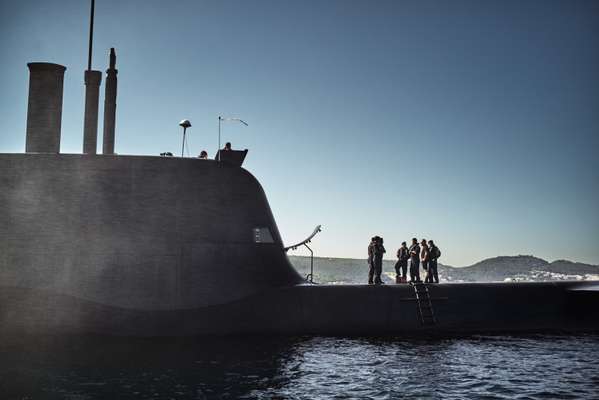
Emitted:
pixel 474 123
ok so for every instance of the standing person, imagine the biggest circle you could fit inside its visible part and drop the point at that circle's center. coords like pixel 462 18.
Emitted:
pixel 227 146
pixel 370 260
pixel 403 255
pixel 434 254
pixel 377 259
pixel 424 257
pixel 414 261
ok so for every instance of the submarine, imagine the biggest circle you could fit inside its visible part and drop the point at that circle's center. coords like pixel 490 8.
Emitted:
pixel 94 244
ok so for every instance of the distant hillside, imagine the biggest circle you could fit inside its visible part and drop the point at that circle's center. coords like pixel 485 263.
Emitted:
pixel 564 266
pixel 504 268
pixel 497 268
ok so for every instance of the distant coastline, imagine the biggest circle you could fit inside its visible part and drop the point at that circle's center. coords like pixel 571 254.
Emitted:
pixel 520 268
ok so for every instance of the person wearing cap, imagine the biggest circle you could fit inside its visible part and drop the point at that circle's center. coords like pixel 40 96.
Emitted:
pixel 227 146
pixel 414 261
pixel 401 267
pixel 433 254
pixel 203 155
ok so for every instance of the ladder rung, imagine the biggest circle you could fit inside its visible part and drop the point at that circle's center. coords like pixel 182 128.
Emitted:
pixel 425 306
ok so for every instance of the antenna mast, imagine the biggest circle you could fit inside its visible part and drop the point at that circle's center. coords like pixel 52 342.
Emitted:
pixel 91 35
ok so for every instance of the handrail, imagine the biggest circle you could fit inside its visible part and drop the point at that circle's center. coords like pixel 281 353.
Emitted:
pixel 310 276
pixel 306 240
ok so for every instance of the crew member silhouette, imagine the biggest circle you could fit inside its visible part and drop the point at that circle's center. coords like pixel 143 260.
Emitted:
pixel 370 260
pixel 424 255
pixel 414 261
pixel 433 253
pixel 377 259
pixel 401 267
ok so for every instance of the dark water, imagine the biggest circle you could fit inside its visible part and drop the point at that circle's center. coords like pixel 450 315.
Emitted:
pixel 525 367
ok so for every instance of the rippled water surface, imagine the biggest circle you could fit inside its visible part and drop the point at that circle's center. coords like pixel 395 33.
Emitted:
pixel 536 367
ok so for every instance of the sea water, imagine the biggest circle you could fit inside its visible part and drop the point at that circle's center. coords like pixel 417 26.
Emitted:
pixel 523 367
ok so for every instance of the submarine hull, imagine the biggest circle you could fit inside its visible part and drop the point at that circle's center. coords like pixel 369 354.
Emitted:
pixel 321 310
pixel 162 246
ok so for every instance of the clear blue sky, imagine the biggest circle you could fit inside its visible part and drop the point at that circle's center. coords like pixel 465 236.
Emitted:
pixel 475 123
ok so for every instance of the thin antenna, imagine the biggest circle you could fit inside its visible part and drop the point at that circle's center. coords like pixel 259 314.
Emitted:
pixel 91 36
pixel 220 119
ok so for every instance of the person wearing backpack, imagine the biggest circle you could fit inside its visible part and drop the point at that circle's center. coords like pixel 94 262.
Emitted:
pixel 434 254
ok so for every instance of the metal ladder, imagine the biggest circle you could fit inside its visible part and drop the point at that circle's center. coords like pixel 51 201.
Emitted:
pixel 425 306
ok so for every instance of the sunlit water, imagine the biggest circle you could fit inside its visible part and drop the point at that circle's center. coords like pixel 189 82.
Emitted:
pixel 535 367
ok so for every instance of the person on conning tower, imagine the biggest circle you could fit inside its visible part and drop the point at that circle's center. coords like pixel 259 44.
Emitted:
pixel 227 147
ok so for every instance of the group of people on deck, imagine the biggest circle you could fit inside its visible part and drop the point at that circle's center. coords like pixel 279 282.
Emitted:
pixel 424 254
